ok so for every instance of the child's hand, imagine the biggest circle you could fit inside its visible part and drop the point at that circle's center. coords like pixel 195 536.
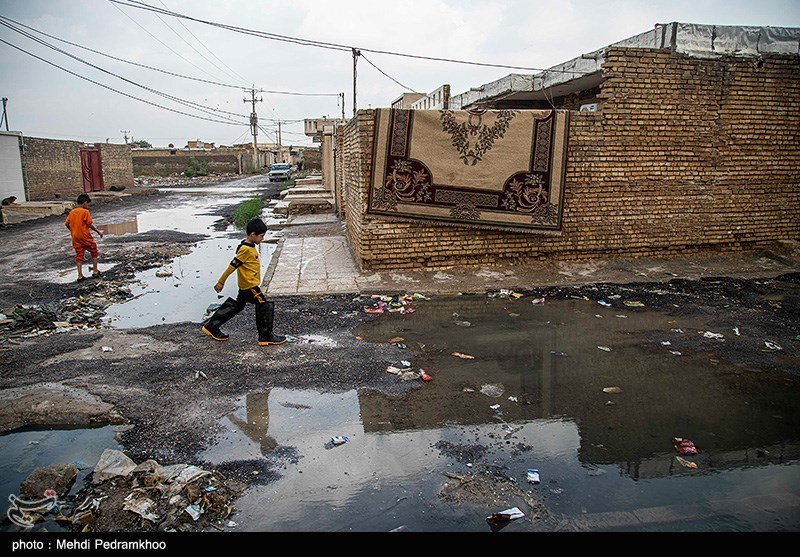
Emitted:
pixel 218 287
pixel 101 234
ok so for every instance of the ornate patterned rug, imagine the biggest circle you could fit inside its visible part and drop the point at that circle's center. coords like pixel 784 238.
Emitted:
pixel 497 169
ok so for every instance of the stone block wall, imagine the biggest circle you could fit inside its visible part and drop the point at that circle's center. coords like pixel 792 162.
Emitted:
pixel 159 162
pixel 53 168
pixel 687 155
pixel 117 164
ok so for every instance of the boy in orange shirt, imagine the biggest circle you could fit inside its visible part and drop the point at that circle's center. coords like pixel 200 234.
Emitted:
pixel 78 222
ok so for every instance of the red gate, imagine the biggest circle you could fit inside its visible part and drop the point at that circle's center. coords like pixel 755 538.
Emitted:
pixel 91 169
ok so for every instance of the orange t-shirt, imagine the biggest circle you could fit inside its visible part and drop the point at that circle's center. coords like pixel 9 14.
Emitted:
pixel 78 221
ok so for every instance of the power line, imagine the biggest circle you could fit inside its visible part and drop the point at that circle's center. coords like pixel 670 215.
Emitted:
pixel 322 44
pixel 162 42
pixel 118 91
pixel 196 106
pixel 204 46
pixel 387 75
pixel 159 69
pixel 192 46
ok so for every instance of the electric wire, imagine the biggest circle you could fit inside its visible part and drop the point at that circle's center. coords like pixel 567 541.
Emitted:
pixel 118 91
pixel 322 44
pixel 190 104
pixel 367 60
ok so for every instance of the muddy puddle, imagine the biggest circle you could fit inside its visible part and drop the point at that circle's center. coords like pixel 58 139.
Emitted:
pixel 539 393
pixel 24 451
pixel 183 289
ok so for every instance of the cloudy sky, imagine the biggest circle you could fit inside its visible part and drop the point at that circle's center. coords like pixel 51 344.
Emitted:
pixel 46 101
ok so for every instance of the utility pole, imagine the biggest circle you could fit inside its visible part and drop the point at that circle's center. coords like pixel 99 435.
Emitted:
pixel 5 114
pixel 280 150
pixel 254 126
pixel 356 54
pixel 125 135
pixel 342 95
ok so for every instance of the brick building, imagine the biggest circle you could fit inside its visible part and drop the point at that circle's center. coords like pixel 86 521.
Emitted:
pixel 687 142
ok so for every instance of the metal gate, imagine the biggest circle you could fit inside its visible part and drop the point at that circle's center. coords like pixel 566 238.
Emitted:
pixel 91 169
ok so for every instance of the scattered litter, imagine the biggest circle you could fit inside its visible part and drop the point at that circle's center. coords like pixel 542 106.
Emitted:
pixel 424 375
pixel 687 463
pixel 598 316
pixel 772 346
pixel 495 407
pixel 557 353
pixel 717 336
pixel 373 311
pixel 161 273
pixel 463 356
pixel 60 324
pixel 463 323
pixel 684 446
pixel 393 370
pixel 612 390
pixel 112 463
pixel 395 340
pixel 231 524
pixel 143 506
pixel 194 511
pixel 621 316
pixel 677 331
pixel 736 331
pixel 513 399
pixel 604 348
pixel 513 314
pixel 675 352
pixel 405 363
pixel 604 303
pixel 497 519
pixel 198 374
pixel 492 389
pixel 339 440
pixel 666 343
pixel 533 476
pixel 107 349
pixel 537 301
pixel 633 304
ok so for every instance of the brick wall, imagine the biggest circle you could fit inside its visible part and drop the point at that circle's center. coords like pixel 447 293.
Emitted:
pixel 159 162
pixel 312 159
pixel 687 155
pixel 53 168
pixel 117 164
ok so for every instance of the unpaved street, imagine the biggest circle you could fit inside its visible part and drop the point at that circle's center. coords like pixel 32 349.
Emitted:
pixel 262 418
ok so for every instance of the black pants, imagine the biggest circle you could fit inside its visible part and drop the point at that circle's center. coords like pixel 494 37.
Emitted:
pixel 249 296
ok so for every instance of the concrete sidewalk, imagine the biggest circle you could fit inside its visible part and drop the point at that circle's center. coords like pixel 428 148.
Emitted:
pixel 313 258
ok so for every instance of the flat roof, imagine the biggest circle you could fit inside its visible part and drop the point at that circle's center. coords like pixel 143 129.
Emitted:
pixel 581 73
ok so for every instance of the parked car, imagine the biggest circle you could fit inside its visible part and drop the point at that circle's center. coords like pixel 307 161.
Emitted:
pixel 280 171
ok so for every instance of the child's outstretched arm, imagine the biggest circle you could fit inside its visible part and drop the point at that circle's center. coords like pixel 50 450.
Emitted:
pixel 232 266
pixel 95 229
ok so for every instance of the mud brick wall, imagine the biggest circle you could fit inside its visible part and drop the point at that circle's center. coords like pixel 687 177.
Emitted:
pixel 160 162
pixel 687 156
pixel 53 168
pixel 117 164
pixel 312 159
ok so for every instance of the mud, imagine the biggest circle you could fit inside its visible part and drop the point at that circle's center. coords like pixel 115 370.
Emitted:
pixel 150 377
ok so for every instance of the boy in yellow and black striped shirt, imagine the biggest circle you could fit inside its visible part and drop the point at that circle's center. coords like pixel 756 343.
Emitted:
pixel 248 274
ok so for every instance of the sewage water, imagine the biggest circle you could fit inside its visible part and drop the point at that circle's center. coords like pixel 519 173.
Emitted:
pixel 606 460
pixel 183 289
pixel 23 451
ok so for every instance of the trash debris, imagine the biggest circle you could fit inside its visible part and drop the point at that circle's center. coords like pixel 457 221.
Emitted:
pixel 395 340
pixel 212 308
pixel 717 336
pixel 666 343
pixel 143 506
pixel 537 301
pixel 112 463
pixel 424 375
pixel 687 463
pixel 633 304
pixel 405 363
pixel 533 476
pixel 736 331
pixel 612 390
pixel 393 370
pixel 771 345
pixel 621 316
pixel 604 303
pixel 373 311
pixel 107 349
pixel 675 352
pixel 604 348
pixel 495 407
pixel 684 446
pixel 463 323
pixel 194 511
pixel 557 353
pixel 198 374
pixel 463 356
pixel 513 399
pixel 492 389
pixel 497 519
pixel 161 273
pixel 339 440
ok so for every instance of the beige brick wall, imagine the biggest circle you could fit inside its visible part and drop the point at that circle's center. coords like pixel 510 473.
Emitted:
pixel 117 164
pixel 157 162
pixel 687 155
pixel 53 168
